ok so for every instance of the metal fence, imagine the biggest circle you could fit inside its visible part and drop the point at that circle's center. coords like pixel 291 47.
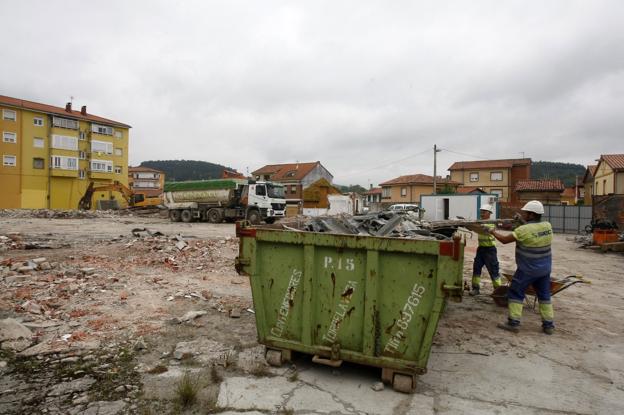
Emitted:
pixel 568 219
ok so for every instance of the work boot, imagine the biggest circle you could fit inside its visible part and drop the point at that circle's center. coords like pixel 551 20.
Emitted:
pixel 550 329
pixel 509 325
pixel 474 291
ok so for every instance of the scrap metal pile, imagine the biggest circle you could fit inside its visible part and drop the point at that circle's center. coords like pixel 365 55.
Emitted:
pixel 389 224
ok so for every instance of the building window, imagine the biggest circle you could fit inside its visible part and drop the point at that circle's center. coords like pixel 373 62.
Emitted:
pixel 474 177
pixel 403 191
pixel 82 135
pixel 64 142
pixel 496 176
pixel 38 121
pixel 102 129
pixel 293 188
pixel 64 163
pixel 38 163
pixel 118 152
pixel 9 115
pixel 497 192
pixel 82 155
pixel 104 166
pixel 65 123
pixel 385 192
pixel 604 187
pixel 82 174
pixel 38 142
pixel 9 137
pixel 118 134
pixel 8 160
pixel 101 147
pixel 117 170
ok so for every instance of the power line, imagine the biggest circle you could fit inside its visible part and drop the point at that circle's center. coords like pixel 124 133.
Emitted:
pixel 386 164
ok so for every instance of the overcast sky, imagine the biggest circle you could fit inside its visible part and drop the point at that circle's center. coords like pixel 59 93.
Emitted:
pixel 365 87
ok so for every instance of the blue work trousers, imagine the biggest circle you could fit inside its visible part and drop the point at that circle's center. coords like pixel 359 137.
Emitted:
pixel 486 255
pixel 522 280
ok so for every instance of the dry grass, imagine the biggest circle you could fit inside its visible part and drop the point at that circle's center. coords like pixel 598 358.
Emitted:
pixel 186 391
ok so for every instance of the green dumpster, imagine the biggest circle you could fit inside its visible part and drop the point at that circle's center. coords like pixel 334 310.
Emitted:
pixel 368 300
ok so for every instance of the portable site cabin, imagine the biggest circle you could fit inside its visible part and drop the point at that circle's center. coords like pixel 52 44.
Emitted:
pixel 467 206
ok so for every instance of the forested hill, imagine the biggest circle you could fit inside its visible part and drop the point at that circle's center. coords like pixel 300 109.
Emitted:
pixel 567 172
pixel 181 170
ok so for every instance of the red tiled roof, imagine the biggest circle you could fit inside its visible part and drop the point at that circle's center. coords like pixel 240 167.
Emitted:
pixel 49 109
pixel 615 161
pixel 489 164
pixel 542 185
pixel 292 171
pixel 417 179
pixel 374 191
pixel 465 190
pixel 142 168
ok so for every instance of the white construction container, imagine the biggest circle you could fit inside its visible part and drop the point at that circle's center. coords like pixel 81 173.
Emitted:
pixel 443 207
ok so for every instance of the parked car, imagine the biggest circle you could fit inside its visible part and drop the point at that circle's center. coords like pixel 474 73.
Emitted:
pixel 403 207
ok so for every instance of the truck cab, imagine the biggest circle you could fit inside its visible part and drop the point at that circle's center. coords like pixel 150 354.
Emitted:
pixel 268 198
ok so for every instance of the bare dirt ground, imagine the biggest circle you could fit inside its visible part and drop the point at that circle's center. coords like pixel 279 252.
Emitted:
pixel 118 322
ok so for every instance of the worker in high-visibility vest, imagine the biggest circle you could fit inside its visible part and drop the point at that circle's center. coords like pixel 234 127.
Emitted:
pixel 534 264
pixel 486 254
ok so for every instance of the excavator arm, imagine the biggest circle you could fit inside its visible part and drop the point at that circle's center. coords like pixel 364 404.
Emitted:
pixel 85 200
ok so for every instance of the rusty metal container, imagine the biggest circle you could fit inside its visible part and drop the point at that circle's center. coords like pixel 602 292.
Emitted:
pixel 363 299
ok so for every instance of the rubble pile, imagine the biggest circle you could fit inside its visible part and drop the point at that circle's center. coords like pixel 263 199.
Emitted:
pixel 17 241
pixel 76 214
pixel 390 224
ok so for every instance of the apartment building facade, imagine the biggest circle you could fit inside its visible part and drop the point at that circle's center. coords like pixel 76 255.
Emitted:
pixel 145 180
pixel 50 154
pixel 497 177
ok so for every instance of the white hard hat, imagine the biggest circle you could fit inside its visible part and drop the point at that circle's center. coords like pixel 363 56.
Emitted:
pixel 534 206
pixel 487 207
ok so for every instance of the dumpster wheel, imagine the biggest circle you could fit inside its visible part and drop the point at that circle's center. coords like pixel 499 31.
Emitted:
pixel 404 383
pixel 274 357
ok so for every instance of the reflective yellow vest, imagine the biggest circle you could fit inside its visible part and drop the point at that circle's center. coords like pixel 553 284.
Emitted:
pixel 487 240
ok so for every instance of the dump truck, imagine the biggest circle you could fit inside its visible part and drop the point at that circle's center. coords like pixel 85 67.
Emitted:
pixel 228 200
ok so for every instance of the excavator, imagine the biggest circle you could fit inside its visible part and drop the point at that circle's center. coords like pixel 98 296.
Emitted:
pixel 133 199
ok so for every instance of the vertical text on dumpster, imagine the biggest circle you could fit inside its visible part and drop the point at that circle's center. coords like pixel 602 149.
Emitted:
pixel 289 296
pixel 406 316
pixel 341 310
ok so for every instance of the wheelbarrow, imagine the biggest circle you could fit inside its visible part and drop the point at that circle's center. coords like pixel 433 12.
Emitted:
pixel 556 285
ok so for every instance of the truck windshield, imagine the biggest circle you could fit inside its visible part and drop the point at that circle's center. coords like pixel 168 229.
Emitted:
pixel 275 191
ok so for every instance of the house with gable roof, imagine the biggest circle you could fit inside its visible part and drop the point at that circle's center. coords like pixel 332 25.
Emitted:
pixel 295 177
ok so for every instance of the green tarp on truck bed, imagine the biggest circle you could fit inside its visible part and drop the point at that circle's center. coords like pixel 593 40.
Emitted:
pixel 204 185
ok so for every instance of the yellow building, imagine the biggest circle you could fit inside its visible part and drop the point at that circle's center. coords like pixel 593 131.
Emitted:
pixel 407 189
pixel 497 177
pixel 609 175
pixel 50 154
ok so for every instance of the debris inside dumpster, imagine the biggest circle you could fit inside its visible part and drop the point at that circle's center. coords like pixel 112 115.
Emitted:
pixel 389 224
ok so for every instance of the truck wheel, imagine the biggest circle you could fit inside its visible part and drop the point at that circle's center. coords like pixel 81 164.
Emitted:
pixel 253 216
pixel 214 216
pixel 186 216
pixel 270 220
pixel 174 215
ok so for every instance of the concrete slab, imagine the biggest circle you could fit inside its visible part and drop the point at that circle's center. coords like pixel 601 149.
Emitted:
pixel 307 398
pixel 352 388
pixel 265 394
